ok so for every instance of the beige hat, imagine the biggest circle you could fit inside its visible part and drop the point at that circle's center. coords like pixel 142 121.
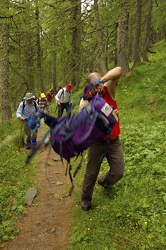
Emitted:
pixel 29 96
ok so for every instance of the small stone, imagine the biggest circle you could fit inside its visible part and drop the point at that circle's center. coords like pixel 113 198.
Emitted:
pixel 52 230
pixel 59 183
pixel 58 158
pixel 30 195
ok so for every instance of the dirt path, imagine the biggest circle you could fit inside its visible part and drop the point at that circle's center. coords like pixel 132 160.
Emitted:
pixel 47 223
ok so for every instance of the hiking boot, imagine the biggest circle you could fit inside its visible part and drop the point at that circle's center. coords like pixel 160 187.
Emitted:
pixel 103 184
pixel 28 145
pixel 33 143
pixel 86 205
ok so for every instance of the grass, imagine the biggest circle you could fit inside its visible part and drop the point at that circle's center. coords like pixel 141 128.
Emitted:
pixel 131 215
pixel 16 177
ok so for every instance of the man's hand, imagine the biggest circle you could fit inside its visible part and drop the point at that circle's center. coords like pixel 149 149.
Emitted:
pixel 22 118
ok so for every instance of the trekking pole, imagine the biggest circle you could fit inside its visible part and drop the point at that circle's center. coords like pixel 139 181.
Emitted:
pixel 20 139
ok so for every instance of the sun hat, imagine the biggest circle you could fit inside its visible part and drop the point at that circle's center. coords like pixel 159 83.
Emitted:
pixel 68 87
pixel 42 95
pixel 29 96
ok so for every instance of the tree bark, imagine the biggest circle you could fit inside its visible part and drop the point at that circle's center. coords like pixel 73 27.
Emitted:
pixel 122 38
pixel 4 67
pixel 39 53
pixel 136 52
pixel 76 42
pixel 100 39
pixel 54 62
pixel 147 29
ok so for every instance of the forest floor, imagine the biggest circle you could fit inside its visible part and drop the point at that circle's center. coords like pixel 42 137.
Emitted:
pixel 47 222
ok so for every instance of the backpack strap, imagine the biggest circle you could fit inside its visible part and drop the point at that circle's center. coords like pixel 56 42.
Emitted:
pixel 91 86
pixel 23 107
pixel 34 103
pixel 62 93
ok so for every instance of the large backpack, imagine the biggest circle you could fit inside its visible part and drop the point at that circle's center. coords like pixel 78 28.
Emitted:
pixel 71 135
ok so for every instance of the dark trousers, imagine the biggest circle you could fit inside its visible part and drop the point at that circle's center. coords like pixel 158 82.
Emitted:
pixel 115 159
pixel 64 106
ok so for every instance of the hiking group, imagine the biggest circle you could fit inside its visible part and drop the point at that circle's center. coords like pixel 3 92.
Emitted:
pixel 27 112
pixel 72 135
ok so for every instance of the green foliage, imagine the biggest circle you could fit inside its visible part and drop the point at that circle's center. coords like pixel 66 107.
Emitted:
pixel 131 214
pixel 15 178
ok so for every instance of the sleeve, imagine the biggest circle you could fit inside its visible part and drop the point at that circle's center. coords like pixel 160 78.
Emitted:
pixel 19 110
pixel 58 95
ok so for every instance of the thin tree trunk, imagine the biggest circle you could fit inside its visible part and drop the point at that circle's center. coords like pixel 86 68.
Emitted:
pixel 4 67
pixel 54 63
pixel 122 38
pixel 100 39
pixel 147 29
pixel 136 52
pixel 76 42
pixel 39 53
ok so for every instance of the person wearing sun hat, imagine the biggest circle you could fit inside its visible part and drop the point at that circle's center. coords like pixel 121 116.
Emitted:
pixel 64 99
pixel 42 102
pixel 27 109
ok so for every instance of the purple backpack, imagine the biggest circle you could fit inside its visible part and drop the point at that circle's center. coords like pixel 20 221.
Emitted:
pixel 69 136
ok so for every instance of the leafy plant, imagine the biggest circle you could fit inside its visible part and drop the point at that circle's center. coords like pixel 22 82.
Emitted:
pixel 131 214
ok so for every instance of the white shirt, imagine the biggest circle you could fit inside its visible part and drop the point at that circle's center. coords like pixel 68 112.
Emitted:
pixel 63 96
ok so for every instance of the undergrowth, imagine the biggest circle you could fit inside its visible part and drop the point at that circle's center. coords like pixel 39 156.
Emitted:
pixel 131 214
pixel 16 177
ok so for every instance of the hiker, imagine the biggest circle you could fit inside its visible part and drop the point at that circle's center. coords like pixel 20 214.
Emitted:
pixel 50 95
pixel 26 112
pixel 114 153
pixel 42 102
pixel 64 99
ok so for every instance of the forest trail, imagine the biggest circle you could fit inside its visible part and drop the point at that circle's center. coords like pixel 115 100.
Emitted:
pixel 46 226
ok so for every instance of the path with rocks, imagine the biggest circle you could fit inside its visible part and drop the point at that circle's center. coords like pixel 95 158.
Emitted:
pixel 46 226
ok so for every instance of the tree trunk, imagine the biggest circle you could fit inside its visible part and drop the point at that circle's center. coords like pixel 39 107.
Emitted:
pixel 122 38
pixel 136 52
pixel 100 39
pixel 54 62
pixel 76 42
pixel 4 67
pixel 147 29
pixel 39 53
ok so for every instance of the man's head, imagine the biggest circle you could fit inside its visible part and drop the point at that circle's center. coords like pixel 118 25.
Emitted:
pixel 93 77
pixel 68 87
pixel 29 98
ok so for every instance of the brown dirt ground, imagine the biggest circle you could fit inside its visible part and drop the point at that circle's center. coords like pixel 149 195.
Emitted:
pixel 47 222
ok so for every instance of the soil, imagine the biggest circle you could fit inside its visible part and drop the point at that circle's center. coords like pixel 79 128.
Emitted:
pixel 47 222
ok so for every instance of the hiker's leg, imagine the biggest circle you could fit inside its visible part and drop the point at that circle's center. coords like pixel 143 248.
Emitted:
pixel 115 160
pixel 95 152
pixel 34 138
pixel 62 108
pixel 68 107
pixel 27 134
pixel 59 110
